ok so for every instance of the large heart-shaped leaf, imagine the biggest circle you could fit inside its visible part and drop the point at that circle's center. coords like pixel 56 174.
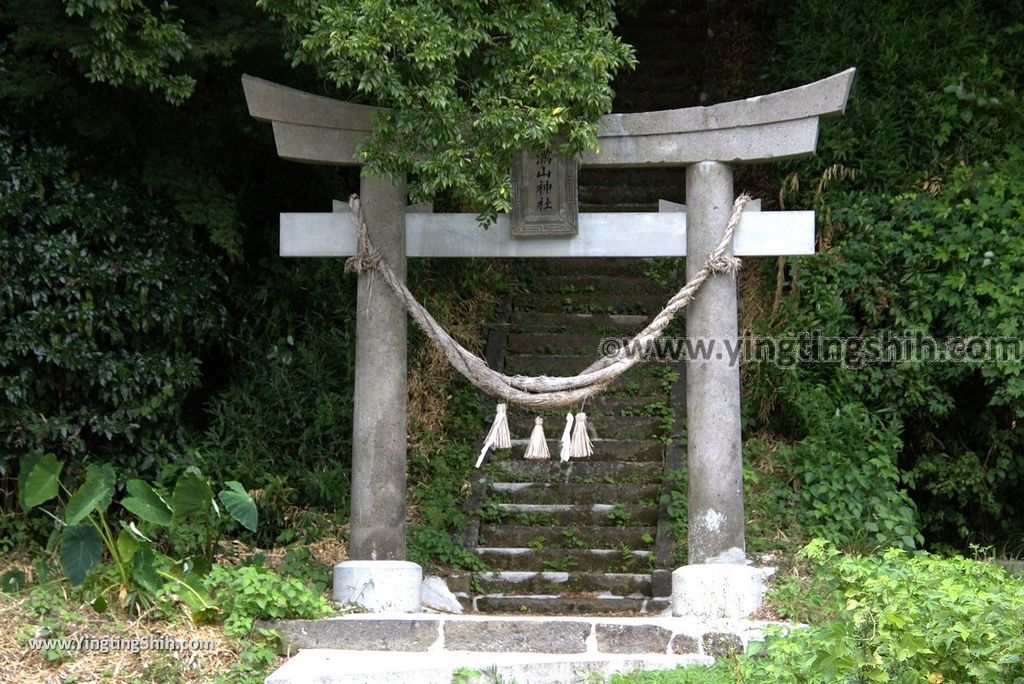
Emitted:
pixel 240 505
pixel 38 479
pixel 192 494
pixel 127 545
pixel 94 494
pixel 144 568
pixel 80 551
pixel 146 503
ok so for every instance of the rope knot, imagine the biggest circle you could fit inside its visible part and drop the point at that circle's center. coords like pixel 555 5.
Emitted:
pixel 367 260
pixel 725 264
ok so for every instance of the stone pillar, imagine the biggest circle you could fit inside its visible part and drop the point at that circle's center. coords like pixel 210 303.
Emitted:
pixel 714 460
pixel 381 389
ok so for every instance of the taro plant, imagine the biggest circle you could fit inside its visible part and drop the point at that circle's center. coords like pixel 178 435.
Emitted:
pixel 135 570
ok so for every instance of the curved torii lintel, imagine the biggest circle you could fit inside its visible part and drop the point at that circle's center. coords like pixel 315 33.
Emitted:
pixel 783 125
pixel 780 125
pixel 309 128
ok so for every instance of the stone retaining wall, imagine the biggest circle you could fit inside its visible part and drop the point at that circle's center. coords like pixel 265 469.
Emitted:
pixel 511 634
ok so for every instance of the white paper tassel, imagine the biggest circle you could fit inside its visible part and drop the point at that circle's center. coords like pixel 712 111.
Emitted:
pixel 566 452
pixel 538 447
pixel 581 446
pixel 498 436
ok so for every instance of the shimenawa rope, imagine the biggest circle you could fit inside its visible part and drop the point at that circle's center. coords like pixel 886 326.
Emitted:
pixel 543 392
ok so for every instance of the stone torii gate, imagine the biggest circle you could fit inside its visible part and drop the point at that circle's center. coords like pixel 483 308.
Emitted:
pixel 706 140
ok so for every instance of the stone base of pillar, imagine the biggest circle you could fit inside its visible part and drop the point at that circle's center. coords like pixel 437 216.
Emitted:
pixel 715 591
pixel 379 586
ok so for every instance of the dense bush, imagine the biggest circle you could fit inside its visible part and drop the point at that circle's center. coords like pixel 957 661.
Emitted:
pixel 107 307
pixel 925 240
pixel 284 423
pixel 895 616
pixel 902 618
pixel 843 480
pixel 938 83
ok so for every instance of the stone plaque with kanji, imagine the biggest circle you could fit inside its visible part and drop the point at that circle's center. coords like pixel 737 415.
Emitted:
pixel 545 195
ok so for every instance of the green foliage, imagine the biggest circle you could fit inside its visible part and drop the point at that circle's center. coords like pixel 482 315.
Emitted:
pixel 257 659
pixel 94 494
pixel 283 425
pixel 136 568
pixel 467 83
pixel 903 618
pixel 103 320
pixel 248 593
pixel 957 253
pixel 937 84
pixel 619 516
pixel 678 511
pixel 38 479
pixel 240 505
pixel 431 546
pixel 127 42
pixel 694 674
pixel 928 243
pixel 147 504
pixel 844 478
pixel 80 550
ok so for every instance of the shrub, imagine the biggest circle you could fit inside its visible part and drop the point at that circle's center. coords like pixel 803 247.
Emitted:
pixel 844 482
pixel 107 307
pixel 903 617
pixel 246 594
pixel 929 242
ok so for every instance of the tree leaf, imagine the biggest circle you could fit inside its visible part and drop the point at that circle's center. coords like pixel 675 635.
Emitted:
pixel 147 504
pixel 192 494
pixel 94 494
pixel 80 551
pixel 41 476
pixel 240 505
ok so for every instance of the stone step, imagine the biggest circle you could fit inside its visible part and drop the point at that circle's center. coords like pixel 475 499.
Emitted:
pixel 605 537
pixel 604 450
pixel 595 303
pixel 394 636
pixel 609 405
pixel 557 343
pixel 589 346
pixel 574 284
pixel 569 605
pixel 609 427
pixel 327 666
pixel 658 177
pixel 619 404
pixel 576 470
pixel 577 323
pixel 532 492
pixel 566 560
pixel 590 266
pixel 576 514
pixel 636 585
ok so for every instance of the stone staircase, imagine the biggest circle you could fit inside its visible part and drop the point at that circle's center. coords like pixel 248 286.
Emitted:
pixel 581 537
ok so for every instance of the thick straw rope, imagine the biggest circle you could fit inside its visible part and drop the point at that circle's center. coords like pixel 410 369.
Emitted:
pixel 543 392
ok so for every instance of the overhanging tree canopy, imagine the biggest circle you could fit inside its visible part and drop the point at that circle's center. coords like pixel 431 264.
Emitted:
pixel 468 82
